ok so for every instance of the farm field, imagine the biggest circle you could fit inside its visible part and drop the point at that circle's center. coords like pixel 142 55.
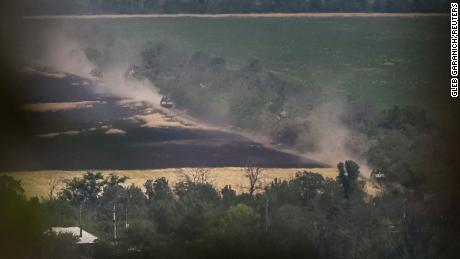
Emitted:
pixel 266 135
pixel 381 61
pixel 385 61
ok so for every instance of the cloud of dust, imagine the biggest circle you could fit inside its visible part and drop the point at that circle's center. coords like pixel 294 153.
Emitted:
pixel 66 55
pixel 116 83
pixel 334 141
pixel 65 49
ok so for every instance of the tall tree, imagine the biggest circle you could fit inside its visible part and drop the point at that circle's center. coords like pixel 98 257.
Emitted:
pixel 348 177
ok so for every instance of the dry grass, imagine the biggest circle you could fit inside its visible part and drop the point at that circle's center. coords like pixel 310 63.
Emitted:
pixel 154 116
pixel 37 183
pixel 159 120
pixel 62 106
pixel 42 71
pixel 115 131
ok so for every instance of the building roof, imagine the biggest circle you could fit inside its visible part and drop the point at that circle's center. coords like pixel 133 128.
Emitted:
pixel 86 237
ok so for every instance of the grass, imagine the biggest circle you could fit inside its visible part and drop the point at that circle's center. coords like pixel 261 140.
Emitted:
pixel 385 61
pixel 37 183
pixel 390 60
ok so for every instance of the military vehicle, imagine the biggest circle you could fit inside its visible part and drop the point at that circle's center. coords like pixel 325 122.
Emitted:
pixel 166 102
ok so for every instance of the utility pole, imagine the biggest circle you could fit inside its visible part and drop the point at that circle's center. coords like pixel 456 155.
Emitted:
pixel 79 216
pixel 114 223
pixel 79 220
pixel 126 217
pixel 267 219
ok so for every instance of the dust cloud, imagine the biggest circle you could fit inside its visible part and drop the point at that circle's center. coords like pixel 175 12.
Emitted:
pixel 80 50
pixel 334 140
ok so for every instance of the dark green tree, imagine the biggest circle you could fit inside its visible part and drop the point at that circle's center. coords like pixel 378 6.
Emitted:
pixel 158 189
pixel 348 177
pixel 228 195
pixel 85 189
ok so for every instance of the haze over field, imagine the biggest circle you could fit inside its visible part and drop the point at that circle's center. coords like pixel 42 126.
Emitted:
pixel 287 48
pixel 312 53
pixel 264 135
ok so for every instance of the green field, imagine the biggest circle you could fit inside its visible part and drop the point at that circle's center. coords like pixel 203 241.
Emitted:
pixel 384 60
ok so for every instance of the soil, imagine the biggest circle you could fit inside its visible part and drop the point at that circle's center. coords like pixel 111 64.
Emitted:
pixel 105 136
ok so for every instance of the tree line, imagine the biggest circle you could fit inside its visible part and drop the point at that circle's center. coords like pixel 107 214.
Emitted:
pixel 415 214
pixel 308 216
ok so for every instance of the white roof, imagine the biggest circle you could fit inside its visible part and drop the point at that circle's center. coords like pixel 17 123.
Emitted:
pixel 86 237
